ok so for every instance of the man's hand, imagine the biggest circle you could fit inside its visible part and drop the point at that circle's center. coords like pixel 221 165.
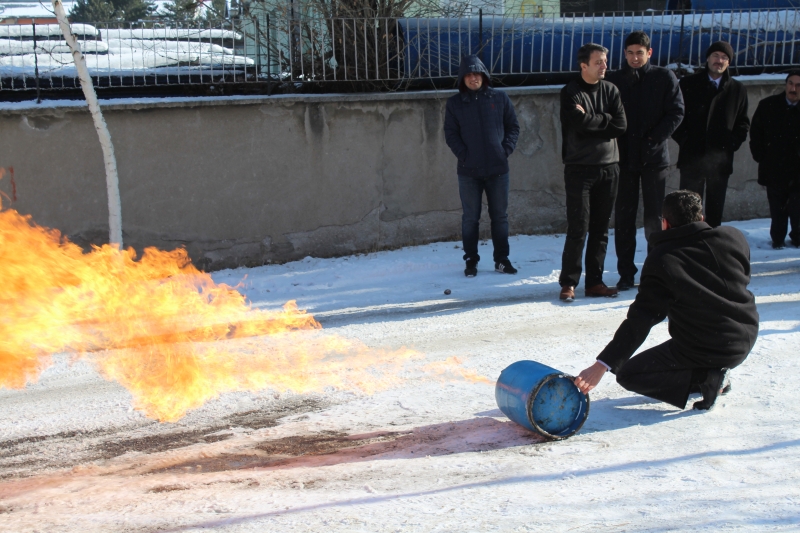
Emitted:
pixel 589 378
pixel 579 108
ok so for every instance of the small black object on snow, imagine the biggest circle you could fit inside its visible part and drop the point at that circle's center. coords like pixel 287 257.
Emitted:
pixel 447 291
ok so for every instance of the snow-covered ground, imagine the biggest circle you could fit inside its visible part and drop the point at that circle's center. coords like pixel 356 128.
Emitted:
pixel 428 455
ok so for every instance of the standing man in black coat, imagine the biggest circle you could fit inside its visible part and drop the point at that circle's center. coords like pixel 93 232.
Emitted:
pixel 696 276
pixel 481 129
pixel 714 127
pixel 592 117
pixel 775 145
pixel 653 108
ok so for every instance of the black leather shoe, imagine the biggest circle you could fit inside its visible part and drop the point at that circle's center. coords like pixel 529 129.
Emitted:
pixel 726 387
pixel 778 245
pixel 625 284
pixel 713 386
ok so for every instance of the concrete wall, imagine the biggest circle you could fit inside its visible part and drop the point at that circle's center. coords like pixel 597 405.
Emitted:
pixel 245 181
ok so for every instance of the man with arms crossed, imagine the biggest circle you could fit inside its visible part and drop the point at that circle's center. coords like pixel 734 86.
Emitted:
pixel 714 126
pixel 653 109
pixel 592 118
pixel 696 276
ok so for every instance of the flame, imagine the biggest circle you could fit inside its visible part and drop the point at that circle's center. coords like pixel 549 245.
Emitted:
pixel 451 368
pixel 163 329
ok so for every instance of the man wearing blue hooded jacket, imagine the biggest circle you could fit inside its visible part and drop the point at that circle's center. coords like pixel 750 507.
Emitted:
pixel 481 129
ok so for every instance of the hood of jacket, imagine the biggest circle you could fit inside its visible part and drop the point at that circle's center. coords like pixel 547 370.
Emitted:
pixel 472 64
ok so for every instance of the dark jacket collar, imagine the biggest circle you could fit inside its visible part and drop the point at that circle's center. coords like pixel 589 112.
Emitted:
pixel 678 233
pixel 641 70
pixel 588 87
pixel 467 95
pixel 726 76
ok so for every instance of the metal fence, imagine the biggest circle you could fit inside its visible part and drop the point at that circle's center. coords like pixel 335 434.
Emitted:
pixel 134 55
pixel 380 53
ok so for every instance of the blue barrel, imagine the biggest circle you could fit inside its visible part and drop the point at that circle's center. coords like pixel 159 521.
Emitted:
pixel 541 399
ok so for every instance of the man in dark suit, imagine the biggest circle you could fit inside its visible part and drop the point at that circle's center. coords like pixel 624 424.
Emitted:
pixel 696 276
pixel 653 108
pixel 775 145
pixel 714 126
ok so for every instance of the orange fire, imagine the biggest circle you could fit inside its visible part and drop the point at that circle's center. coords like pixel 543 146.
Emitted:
pixel 163 329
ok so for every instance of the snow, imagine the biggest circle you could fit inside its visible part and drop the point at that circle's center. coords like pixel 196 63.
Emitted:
pixel 119 52
pixel 44 30
pixel 122 62
pixel 17 47
pixel 428 455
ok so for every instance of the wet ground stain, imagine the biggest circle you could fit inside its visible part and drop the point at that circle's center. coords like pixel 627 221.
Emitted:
pixel 28 456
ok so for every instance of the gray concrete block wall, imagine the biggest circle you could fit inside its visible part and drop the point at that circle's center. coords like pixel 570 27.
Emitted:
pixel 245 181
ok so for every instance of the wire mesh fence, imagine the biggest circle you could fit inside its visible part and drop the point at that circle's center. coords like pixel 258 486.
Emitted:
pixel 123 55
pixel 378 53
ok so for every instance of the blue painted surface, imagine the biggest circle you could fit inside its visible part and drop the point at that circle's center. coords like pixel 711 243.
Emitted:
pixel 434 47
pixel 541 399
pixel 722 5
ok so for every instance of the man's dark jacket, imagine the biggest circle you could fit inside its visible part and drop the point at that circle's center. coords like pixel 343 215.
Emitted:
pixel 590 138
pixel 697 276
pixel 480 127
pixel 653 109
pixel 715 120
pixel 775 142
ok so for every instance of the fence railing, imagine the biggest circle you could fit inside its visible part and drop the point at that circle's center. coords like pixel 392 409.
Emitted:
pixel 380 53
pixel 124 55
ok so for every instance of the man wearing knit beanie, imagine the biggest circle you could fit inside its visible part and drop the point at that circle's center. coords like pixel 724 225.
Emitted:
pixel 714 127
pixel 721 46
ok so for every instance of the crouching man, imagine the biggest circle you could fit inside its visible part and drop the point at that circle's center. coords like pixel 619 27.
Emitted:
pixel 696 276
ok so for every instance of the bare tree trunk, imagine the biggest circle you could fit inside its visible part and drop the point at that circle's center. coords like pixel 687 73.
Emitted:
pixel 112 179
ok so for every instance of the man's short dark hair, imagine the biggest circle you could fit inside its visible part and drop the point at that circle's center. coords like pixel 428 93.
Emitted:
pixel 585 52
pixel 795 72
pixel 638 37
pixel 682 207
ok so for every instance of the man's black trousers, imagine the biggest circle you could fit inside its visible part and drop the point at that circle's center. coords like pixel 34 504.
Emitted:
pixel 784 206
pixel 591 190
pixel 710 173
pixel 657 373
pixel 653 183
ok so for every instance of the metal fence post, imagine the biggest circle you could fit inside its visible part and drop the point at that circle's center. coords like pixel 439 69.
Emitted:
pixel 269 61
pixel 680 40
pixel 480 33
pixel 36 64
pixel 258 47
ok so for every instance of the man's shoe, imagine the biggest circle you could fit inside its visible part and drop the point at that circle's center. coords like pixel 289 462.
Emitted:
pixel 601 290
pixel 714 385
pixel 726 387
pixel 778 245
pixel 504 267
pixel 567 294
pixel 472 268
pixel 625 284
